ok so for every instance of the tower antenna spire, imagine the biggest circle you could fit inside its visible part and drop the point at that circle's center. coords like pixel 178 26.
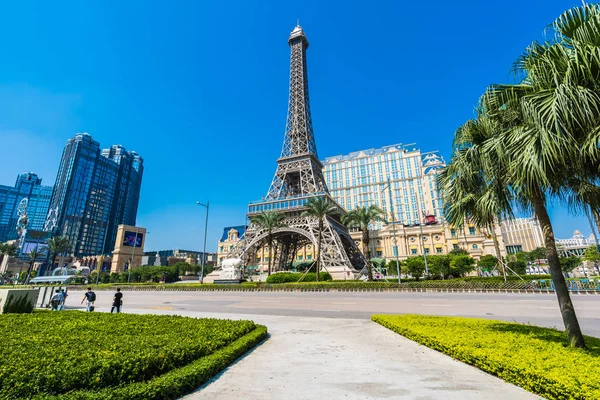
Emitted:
pixel 298 22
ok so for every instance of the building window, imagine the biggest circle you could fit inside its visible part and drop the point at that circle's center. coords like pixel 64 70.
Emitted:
pixel 413 251
pixel 438 250
pixel 452 232
pixel 471 230
pixel 378 253
pixel 299 258
pixel 230 248
pixel 309 257
pixel 475 246
pixel 427 250
pixel 395 250
pixel 455 246
pixel 309 247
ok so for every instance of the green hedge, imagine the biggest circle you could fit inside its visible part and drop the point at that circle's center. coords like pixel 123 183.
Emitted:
pixel 55 354
pixel 537 359
pixel 285 277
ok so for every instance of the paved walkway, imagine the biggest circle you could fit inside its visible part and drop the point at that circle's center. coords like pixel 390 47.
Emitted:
pixel 325 358
pixel 319 350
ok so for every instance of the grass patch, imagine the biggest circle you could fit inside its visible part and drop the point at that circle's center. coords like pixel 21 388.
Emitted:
pixel 99 355
pixel 537 359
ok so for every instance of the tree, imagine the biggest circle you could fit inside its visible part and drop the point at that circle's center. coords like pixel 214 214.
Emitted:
pixel 414 266
pixel 392 267
pixel 33 255
pixel 57 245
pixel 7 250
pixel 319 208
pixel 472 188
pixel 268 221
pixel 518 266
pixel 458 252
pixel 439 265
pixel 568 264
pixel 487 263
pixel 536 254
pixel 362 217
pixel 592 254
pixel 548 148
pixel 461 265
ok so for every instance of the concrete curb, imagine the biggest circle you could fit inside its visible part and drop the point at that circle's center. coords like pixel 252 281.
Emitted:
pixel 363 290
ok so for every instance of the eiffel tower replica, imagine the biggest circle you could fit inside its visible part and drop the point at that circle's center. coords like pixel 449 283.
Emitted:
pixel 298 179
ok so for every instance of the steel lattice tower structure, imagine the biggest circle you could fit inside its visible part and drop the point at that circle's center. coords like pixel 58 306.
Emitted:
pixel 299 178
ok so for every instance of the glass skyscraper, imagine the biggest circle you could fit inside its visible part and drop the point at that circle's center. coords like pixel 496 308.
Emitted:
pixel 28 186
pixel 95 191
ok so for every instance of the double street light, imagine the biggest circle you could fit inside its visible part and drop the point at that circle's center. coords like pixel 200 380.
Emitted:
pixel 205 232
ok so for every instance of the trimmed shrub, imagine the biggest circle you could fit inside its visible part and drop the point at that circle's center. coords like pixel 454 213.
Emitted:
pixel 537 359
pixel 100 355
pixel 285 277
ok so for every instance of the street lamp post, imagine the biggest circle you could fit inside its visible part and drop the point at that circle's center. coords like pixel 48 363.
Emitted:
pixel 205 232
pixel 421 230
pixel 103 251
pixel 389 188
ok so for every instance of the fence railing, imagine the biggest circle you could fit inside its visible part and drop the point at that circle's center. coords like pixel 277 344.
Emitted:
pixel 528 286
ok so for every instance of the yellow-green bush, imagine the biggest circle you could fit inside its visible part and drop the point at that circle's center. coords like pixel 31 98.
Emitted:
pixel 537 359
pixel 101 355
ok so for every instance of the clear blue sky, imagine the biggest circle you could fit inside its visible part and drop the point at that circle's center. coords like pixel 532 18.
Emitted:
pixel 200 88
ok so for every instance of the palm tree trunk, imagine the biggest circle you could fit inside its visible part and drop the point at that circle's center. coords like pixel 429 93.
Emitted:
pixel 275 257
pixel 367 252
pixel 565 304
pixel 29 271
pixel 597 219
pixel 270 242
pixel 319 249
pixel 497 248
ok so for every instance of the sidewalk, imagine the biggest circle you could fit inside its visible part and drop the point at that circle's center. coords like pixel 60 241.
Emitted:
pixel 312 358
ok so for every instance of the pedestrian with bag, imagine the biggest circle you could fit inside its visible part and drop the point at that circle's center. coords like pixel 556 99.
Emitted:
pixel 90 298
pixel 117 301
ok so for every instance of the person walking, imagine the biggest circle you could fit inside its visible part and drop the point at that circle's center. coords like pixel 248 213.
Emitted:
pixel 117 301
pixel 64 299
pixel 56 299
pixel 89 297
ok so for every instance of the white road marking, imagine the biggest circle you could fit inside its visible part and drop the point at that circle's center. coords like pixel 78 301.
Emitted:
pixel 436 305
pixel 327 310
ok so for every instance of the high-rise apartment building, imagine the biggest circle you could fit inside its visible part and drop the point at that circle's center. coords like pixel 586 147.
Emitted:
pixel 95 191
pixel 521 234
pixel 28 186
pixel 359 179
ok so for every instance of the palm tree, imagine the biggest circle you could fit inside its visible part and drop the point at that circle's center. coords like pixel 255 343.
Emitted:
pixel 268 221
pixel 320 208
pixel 472 189
pixel 7 250
pixel 362 217
pixel 546 146
pixel 33 255
pixel 57 245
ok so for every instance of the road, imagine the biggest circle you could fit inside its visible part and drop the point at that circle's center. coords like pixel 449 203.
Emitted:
pixel 537 309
